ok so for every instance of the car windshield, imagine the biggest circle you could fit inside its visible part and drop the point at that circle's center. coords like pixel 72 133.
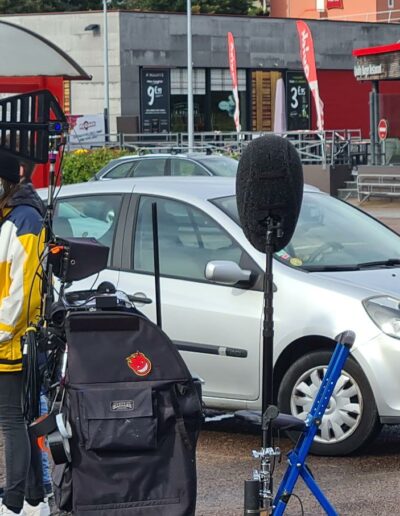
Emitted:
pixel 332 235
pixel 220 165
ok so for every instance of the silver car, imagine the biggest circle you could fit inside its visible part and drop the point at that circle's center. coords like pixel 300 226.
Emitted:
pixel 193 164
pixel 341 271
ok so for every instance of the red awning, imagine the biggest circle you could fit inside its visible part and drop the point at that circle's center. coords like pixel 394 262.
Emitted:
pixel 383 49
pixel 29 54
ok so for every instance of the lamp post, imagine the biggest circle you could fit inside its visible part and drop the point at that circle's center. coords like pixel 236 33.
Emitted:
pixel 189 75
pixel 106 82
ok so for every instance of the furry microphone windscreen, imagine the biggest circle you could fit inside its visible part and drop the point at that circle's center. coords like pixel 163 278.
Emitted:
pixel 269 184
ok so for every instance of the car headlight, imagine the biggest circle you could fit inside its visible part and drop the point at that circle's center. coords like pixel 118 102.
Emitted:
pixel 385 312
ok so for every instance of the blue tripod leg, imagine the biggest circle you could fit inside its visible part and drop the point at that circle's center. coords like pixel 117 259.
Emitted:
pixel 298 456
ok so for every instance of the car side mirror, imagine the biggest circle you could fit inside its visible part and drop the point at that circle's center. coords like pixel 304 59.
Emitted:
pixel 227 273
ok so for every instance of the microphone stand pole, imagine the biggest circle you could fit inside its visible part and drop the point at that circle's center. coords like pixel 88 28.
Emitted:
pixel 259 491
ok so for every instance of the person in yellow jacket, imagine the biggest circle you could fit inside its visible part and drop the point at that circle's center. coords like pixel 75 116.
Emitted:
pixel 21 247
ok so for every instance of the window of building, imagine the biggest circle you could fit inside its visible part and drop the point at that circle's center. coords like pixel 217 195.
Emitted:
pixel 222 100
pixel 179 91
pixel 390 4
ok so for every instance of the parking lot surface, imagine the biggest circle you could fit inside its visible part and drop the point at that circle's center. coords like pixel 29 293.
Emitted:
pixel 366 484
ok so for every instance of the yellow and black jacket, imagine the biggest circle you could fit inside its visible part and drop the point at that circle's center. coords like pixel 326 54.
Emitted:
pixel 21 248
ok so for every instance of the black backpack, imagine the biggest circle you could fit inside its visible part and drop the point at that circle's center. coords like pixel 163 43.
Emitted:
pixel 135 414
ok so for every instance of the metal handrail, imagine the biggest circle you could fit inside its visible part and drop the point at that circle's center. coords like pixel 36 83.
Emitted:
pixel 314 147
pixel 371 16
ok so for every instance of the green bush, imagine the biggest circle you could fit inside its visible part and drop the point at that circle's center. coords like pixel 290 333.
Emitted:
pixel 80 165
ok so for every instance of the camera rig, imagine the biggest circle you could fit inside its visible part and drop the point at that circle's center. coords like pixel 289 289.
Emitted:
pixel 33 127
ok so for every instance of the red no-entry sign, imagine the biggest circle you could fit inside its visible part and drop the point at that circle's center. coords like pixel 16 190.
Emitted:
pixel 382 129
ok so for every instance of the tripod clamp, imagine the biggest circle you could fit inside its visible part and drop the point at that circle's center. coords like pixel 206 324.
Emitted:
pixel 266 455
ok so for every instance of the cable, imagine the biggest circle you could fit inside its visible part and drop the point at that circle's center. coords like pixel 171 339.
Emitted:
pixel 31 371
pixel 31 376
pixel 300 502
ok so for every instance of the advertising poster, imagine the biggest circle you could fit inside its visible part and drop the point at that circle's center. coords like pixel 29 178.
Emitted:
pixel 233 71
pixel 307 57
pixel 86 130
pixel 297 102
pixel 154 95
pixel 334 4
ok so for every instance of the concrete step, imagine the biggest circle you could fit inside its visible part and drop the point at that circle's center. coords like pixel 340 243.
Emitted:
pixel 347 193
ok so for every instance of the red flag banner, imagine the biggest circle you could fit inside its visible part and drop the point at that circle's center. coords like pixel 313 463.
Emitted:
pixel 307 57
pixel 233 70
pixel 334 4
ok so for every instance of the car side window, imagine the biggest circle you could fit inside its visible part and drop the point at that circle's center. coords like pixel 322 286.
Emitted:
pixel 182 167
pixel 150 167
pixel 188 240
pixel 120 171
pixel 87 216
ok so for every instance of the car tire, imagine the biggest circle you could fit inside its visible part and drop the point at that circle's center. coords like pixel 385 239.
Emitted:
pixel 351 419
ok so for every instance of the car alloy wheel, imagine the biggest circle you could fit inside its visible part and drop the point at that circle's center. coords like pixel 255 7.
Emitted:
pixel 351 419
pixel 343 413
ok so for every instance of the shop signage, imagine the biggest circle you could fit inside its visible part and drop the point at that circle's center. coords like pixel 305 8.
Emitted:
pixel 366 71
pixel 86 130
pixel 297 102
pixel 382 129
pixel 155 100
pixel 376 67
pixel 334 4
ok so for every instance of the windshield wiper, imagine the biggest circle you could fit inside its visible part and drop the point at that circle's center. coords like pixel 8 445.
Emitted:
pixel 330 268
pixel 391 262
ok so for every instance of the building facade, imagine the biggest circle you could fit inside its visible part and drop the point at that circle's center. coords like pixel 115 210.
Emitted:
pixel 347 10
pixel 148 75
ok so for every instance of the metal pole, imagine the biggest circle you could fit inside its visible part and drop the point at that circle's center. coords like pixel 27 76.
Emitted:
pixel 372 123
pixel 375 86
pixel 190 76
pixel 106 86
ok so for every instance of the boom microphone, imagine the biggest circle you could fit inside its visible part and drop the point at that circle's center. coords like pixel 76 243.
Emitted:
pixel 269 185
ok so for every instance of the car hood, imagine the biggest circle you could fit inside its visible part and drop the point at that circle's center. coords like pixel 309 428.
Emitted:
pixel 365 283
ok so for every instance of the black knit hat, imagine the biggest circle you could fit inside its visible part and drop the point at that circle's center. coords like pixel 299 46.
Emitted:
pixel 9 168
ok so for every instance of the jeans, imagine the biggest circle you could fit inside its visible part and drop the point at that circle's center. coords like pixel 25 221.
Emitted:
pixel 23 457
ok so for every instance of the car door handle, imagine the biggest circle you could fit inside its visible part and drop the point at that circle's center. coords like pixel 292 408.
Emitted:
pixel 139 297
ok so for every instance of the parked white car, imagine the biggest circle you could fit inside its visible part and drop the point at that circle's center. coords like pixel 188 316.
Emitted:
pixel 341 271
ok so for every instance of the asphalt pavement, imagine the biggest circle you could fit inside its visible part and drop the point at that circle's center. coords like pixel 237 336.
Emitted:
pixel 366 484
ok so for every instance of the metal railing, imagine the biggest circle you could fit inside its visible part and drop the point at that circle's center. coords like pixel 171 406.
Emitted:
pixel 314 147
pixel 388 16
pixel 377 185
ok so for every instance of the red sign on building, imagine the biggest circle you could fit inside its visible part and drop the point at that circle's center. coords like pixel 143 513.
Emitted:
pixel 334 4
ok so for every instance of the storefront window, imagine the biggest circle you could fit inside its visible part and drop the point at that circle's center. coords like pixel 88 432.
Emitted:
pixel 179 113
pixel 222 101
pixel 179 90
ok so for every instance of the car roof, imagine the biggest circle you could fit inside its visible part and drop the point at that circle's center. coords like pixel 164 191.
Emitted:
pixel 194 155
pixel 194 187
